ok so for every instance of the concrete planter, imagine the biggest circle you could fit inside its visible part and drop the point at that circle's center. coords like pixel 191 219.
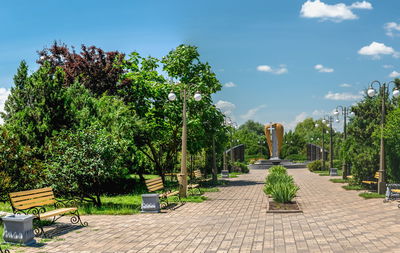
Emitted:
pixel 225 173
pixel 333 172
pixel 150 203
pixel 18 229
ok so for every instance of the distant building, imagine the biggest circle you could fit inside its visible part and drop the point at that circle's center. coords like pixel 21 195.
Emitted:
pixel 238 153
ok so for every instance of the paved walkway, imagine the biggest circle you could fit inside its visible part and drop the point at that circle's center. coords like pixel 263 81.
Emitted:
pixel 235 220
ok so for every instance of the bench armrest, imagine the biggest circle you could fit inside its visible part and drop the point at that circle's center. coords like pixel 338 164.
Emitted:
pixel 35 210
pixel 66 203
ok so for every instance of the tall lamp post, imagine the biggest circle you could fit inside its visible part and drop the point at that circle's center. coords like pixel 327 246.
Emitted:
pixel 383 89
pixel 323 144
pixel 345 112
pixel 329 121
pixel 183 174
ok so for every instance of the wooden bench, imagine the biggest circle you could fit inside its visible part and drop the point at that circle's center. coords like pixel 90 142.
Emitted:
pixel 156 184
pixel 376 176
pixel 34 202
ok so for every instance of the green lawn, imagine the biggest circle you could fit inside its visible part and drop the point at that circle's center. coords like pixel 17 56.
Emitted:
pixel 231 174
pixel 371 195
pixel 353 187
pixel 127 204
pixel 326 172
pixel 339 180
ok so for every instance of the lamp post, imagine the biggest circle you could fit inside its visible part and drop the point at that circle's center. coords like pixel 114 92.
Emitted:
pixel 329 121
pixel 323 143
pixel 383 89
pixel 345 112
pixel 172 97
pixel 233 125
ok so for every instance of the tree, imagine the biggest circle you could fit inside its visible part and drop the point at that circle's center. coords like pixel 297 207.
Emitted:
pixel 252 135
pixel 97 70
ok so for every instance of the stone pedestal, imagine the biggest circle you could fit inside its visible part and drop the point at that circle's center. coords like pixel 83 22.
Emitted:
pixel 333 172
pixel 18 229
pixel 150 203
pixel 225 173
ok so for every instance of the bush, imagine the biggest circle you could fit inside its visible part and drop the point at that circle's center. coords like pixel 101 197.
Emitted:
pixel 82 164
pixel 296 157
pixel 280 185
pixel 284 192
pixel 337 164
pixel 277 169
pixel 242 167
pixel 315 165
pixel 273 179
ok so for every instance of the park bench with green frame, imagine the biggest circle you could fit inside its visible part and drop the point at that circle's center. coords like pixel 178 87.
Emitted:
pixel 38 202
pixel 156 185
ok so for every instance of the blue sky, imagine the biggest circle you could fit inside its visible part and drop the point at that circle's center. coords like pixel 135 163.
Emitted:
pixel 287 59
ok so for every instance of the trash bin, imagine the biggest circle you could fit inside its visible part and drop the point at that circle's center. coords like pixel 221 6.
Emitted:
pixel 150 203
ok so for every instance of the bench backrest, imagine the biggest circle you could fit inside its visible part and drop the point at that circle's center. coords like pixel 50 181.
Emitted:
pixel 197 174
pixel 376 175
pixel 27 199
pixel 154 184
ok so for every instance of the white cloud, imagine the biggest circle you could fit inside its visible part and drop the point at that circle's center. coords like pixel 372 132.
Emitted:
pixel 336 12
pixel 376 49
pixel 225 106
pixel 392 29
pixel 323 69
pixel 387 66
pixel 277 71
pixel 345 85
pixel 230 85
pixel 342 96
pixel 252 112
pixel 4 93
pixel 394 74
pixel 361 5
pixel 292 125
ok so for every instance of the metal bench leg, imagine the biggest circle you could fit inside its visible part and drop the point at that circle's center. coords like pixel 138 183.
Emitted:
pixel 4 251
pixel 77 219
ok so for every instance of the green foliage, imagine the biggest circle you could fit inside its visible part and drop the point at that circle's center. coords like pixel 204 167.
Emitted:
pixel 293 145
pixel 296 157
pixel 252 135
pixel 315 165
pixel 81 163
pixel 392 138
pixel 242 167
pixel 283 192
pixel 339 180
pixel 280 185
pixel 278 169
pixel 353 187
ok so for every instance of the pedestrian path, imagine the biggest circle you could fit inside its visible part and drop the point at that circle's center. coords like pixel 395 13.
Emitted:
pixel 235 220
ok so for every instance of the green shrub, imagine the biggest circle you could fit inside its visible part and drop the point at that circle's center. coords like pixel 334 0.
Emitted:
pixel 337 164
pixel 279 169
pixel 315 165
pixel 241 167
pixel 296 157
pixel 275 178
pixel 284 192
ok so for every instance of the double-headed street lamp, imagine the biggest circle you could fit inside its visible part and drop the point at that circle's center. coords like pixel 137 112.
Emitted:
pixel 383 89
pixel 329 121
pixel 183 175
pixel 345 112
pixel 323 143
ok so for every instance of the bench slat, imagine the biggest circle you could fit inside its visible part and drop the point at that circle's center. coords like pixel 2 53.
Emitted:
pixel 27 197
pixel 153 180
pixel 30 192
pixel 27 206
pixel 34 200
pixel 56 212
pixel 152 189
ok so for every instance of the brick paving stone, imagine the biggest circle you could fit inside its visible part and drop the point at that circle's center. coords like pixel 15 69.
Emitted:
pixel 235 220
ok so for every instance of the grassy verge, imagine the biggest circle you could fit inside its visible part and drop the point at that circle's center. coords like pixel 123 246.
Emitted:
pixel 232 174
pixel 339 180
pixel 124 204
pixel 326 172
pixel 353 187
pixel 371 195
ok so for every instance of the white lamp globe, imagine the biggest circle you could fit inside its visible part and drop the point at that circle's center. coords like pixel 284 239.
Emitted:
pixel 197 96
pixel 323 121
pixel 327 125
pixel 171 96
pixel 316 125
pixel 337 120
pixel 396 93
pixel 371 92
pixel 352 114
pixel 336 112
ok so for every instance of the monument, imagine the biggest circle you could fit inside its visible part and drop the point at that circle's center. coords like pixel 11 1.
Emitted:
pixel 274 135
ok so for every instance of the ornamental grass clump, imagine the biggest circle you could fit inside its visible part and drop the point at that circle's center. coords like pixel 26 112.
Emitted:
pixel 280 185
